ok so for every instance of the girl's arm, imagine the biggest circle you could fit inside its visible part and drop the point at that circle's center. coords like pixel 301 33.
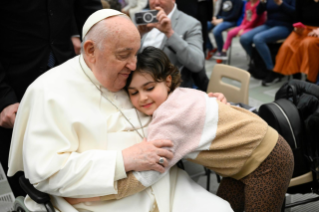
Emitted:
pixel 255 19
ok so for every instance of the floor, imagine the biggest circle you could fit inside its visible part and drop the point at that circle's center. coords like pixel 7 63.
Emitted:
pixel 258 95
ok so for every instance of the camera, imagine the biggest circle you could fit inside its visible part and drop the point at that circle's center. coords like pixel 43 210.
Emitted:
pixel 146 17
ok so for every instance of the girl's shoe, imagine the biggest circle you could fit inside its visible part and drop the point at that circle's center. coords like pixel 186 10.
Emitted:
pixel 221 56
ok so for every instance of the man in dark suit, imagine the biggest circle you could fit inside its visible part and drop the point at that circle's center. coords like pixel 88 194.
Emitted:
pixel 202 10
pixel 36 36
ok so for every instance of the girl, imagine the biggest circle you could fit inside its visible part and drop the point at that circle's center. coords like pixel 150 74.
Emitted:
pixel 256 163
pixel 251 20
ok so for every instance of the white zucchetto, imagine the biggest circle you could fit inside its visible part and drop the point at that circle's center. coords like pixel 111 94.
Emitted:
pixel 97 17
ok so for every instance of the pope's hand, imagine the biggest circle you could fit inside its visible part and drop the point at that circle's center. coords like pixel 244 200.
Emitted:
pixel 164 23
pixel 8 116
pixel 145 156
pixel 220 97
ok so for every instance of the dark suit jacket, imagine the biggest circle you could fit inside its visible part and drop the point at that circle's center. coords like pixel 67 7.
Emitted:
pixel 29 31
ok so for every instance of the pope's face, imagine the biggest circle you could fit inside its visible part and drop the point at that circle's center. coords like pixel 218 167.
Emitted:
pixel 166 5
pixel 117 57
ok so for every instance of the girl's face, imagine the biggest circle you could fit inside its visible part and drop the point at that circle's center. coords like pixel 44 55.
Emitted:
pixel 146 94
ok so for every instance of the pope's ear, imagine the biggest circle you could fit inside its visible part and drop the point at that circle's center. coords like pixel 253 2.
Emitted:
pixel 89 50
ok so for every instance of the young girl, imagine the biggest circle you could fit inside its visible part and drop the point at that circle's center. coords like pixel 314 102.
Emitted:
pixel 256 163
pixel 251 20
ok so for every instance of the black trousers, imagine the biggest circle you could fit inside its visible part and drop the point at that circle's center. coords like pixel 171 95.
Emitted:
pixel 5 141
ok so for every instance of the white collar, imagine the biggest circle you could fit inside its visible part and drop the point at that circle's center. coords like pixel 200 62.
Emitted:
pixel 88 72
pixel 172 12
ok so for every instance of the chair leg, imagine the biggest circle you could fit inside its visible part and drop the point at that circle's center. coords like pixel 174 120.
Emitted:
pixel 207 172
pixel 229 57
pixel 283 205
pixel 218 178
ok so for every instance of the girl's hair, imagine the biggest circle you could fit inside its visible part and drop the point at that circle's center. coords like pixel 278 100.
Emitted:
pixel 154 61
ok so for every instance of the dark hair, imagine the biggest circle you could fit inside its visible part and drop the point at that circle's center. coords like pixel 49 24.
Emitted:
pixel 154 61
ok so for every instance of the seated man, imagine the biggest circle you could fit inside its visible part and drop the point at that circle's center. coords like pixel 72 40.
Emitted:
pixel 77 134
pixel 180 37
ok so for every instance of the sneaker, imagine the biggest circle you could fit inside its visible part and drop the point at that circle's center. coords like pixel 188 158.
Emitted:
pixel 271 78
pixel 220 56
pixel 210 53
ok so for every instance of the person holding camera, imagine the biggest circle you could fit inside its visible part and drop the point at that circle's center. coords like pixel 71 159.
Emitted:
pixel 180 37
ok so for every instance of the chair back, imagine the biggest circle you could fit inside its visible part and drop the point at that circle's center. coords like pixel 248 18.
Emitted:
pixel 231 92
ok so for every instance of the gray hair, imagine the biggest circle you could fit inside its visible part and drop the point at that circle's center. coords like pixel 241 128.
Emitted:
pixel 97 34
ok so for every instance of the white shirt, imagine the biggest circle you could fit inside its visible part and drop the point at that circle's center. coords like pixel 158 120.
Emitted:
pixel 155 37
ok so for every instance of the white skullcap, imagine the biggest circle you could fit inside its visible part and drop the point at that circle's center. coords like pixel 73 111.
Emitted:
pixel 97 17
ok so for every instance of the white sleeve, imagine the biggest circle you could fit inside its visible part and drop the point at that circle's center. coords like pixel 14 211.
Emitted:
pixel 51 158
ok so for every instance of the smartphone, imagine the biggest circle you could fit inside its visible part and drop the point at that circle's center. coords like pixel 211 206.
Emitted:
pixel 146 17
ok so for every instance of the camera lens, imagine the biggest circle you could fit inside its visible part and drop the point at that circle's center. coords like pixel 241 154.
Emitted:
pixel 148 17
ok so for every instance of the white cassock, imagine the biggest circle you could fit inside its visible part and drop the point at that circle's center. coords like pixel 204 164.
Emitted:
pixel 68 140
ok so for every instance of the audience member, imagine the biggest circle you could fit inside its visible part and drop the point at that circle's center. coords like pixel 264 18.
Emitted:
pixel 116 4
pixel 37 36
pixel 105 4
pixel 180 37
pixel 256 162
pixel 134 6
pixel 280 14
pixel 87 150
pixel 202 10
pixel 299 53
pixel 251 20
pixel 230 11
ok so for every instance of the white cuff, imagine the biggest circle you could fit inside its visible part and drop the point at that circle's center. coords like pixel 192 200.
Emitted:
pixel 120 168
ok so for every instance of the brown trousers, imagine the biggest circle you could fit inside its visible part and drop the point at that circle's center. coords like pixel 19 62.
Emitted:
pixel 299 54
pixel 265 188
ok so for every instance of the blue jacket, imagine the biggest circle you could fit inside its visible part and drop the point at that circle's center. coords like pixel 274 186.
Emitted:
pixel 282 15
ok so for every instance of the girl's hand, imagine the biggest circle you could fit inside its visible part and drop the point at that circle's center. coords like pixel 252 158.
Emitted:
pixel 219 96
pixel 278 2
pixel 240 33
